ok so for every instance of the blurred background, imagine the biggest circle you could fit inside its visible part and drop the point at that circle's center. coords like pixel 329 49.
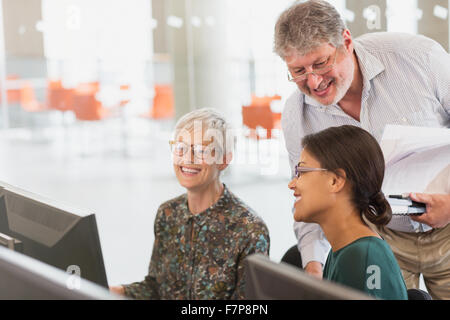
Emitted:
pixel 91 89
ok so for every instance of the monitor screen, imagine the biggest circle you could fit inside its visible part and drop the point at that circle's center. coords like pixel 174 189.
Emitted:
pixel 267 280
pixel 24 278
pixel 54 233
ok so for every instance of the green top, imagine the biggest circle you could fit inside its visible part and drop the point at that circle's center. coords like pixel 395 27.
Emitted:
pixel 369 265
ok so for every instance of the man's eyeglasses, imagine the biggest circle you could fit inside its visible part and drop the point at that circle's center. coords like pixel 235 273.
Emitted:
pixel 299 170
pixel 179 149
pixel 318 69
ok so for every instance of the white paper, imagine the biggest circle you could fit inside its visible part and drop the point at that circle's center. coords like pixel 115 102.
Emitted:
pixel 416 159
pixel 399 142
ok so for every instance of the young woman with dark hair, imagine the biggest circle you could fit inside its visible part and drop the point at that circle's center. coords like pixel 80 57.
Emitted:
pixel 338 185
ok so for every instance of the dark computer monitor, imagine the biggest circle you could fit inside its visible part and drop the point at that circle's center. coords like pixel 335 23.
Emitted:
pixel 267 280
pixel 52 232
pixel 24 278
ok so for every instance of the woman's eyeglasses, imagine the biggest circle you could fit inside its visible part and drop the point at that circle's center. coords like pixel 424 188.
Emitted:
pixel 299 170
pixel 179 149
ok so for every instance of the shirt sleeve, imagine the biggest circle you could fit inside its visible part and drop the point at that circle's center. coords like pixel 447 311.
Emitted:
pixel 440 75
pixel 259 242
pixel 312 243
pixel 148 288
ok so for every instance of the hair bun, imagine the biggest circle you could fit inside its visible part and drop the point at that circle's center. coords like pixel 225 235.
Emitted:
pixel 378 210
pixel 379 196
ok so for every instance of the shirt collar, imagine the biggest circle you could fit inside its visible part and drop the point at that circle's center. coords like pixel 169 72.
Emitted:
pixel 369 65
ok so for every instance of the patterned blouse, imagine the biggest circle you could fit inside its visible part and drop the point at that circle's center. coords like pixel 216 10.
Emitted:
pixel 201 256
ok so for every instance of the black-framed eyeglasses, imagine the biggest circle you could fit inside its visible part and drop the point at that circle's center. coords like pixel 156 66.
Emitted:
pixel 320 69
pixel 299 170
pixel 180 148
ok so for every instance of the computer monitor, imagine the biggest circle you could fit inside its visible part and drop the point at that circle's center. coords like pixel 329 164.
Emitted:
pixel 52 232
pixel 267 280
pixel 24 278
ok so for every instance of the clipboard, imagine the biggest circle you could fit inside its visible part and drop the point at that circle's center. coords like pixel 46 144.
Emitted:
pixel 406 206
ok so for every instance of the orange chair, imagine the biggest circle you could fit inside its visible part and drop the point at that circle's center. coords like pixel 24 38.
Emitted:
pixel 87 107
pixel 93 86
pixel 85 104
pixel 58 97
pixel 262 116
pixel 163 103
pixel 12 95
pixel 28 99
pixel 263 101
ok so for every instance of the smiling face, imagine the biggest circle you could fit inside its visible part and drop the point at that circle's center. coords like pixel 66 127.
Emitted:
pixel 331 87
pixel 193 173
pixel 311 191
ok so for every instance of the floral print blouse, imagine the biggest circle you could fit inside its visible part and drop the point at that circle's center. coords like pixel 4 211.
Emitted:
pixel 201 256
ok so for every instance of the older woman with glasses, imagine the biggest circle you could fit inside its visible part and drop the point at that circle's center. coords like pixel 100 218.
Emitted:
pixel 203 236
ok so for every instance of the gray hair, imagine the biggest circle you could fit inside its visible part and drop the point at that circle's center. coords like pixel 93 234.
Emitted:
pixel 213 125
pixel 306 25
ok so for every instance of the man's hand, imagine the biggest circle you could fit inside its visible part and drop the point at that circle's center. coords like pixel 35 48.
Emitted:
pixel 437 214
pixel 315 269
pixel 117 290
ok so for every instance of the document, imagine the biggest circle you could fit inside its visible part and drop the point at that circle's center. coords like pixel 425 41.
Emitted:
pixel 417 160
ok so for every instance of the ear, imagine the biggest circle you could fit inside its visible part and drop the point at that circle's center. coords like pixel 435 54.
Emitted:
pixel 226 161
pixel 348 41
pixel 337 181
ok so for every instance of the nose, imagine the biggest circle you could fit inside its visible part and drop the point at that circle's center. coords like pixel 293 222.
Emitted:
pixel 313 81
pixel 291 184
pixel 188 156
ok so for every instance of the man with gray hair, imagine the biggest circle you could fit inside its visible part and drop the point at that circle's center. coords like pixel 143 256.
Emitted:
pixel 374 80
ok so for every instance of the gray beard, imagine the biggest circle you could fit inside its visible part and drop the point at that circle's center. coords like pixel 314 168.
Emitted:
pixel 342 91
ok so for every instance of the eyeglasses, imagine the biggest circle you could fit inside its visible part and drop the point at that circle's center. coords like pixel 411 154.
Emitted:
pixel 318 69
pixel 299 170
pixel 179 149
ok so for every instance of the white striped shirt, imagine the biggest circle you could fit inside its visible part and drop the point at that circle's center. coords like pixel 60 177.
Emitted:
pixel 406 80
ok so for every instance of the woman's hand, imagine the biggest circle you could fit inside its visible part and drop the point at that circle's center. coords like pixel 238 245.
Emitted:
pixel 117 290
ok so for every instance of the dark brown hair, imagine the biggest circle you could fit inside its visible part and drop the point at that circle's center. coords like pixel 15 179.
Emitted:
pixel 355 151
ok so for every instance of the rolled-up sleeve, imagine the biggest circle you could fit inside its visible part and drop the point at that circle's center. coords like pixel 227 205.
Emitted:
pixel 312 244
